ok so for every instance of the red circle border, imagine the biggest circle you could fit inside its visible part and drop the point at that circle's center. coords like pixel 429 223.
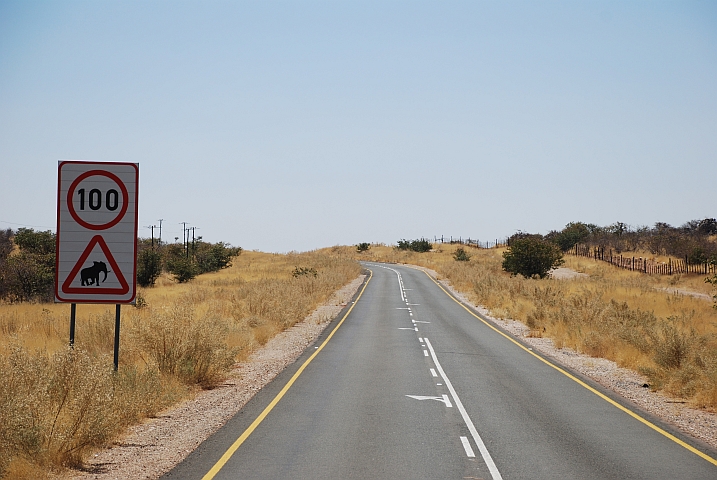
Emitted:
pixel 111 176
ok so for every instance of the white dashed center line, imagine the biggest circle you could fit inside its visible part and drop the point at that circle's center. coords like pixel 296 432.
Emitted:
pixel 469 423
pixel 467 447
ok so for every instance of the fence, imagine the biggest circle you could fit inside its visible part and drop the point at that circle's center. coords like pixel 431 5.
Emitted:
pixel 472 242
pixel 640 264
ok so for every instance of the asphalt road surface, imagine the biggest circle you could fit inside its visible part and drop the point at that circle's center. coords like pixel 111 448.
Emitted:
pixel 409 383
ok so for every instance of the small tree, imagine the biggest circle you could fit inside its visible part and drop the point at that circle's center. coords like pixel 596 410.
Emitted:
pixel 363 247
pixel 214 257
pixel 6 244
pixel 183 269
pixel 531 256
pixel 573 233
pixel 149 267
pixel 461 255
pixel 29 274
pixel 39 243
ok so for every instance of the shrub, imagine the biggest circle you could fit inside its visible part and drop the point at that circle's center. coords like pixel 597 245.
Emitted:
pixel 55 409
pixel 572 234
pixel 363 247
pixel 41 243
pixel 183 269
pixel 30 274
pixel 697 256
pixel 6 244
pixel 192 349
pixel 149 267
pixel 214 257
pixel 304 271
pixel 419 246
pixel 531 256
pixel 460 255
pixel 708 226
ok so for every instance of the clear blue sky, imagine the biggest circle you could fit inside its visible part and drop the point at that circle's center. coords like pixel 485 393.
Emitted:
pixel 285 126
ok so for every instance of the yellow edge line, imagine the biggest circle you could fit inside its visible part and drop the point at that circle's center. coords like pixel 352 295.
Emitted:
pixel 580 382
pixel 228 454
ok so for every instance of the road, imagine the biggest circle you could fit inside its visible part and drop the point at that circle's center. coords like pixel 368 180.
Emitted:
pixel 411 384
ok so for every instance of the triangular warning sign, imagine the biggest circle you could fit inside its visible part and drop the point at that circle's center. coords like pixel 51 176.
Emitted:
pixel 91 279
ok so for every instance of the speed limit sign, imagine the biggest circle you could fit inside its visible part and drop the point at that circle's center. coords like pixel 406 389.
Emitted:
pixel 96 232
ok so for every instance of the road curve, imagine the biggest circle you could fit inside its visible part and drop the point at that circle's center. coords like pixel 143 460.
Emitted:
pixel 409 383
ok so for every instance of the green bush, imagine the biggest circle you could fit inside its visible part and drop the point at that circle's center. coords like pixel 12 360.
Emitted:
pixel 149 267
pixel 6 244
pixel 213 257
pixel 183 269
pixel 363 247
pixel 30 241
pixel 27 277
pixel 531 256
pixel 572 234
pixel 461 255
pixel 29 274
pixel 420 246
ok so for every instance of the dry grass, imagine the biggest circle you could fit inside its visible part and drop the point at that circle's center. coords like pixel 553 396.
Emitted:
pixel 57 404
pixel 633 319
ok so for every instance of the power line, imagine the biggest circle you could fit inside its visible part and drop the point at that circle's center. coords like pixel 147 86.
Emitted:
pixel 26 225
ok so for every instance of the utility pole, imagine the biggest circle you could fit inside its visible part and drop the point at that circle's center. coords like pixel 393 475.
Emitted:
pixel 184 238
pixel 193 245
pixel 160 231
pixel 152 227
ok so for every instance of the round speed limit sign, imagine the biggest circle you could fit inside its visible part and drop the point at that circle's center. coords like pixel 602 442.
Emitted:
pixel 97 200
pixel 96 232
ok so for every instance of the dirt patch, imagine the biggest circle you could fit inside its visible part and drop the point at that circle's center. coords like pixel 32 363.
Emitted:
pixel 689 293
pixel 564 273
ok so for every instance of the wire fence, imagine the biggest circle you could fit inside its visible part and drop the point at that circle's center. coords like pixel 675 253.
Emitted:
pixel 497 243
pixel 644 265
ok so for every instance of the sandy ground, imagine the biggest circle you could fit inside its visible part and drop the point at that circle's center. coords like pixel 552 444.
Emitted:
pixel 678 291
pixel 564 273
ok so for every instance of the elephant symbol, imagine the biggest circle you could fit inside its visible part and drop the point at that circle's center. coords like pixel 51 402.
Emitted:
pixel 91 275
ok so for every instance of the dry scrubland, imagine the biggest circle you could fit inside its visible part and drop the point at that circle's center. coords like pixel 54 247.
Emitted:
pixel 639 321
pixel 57 404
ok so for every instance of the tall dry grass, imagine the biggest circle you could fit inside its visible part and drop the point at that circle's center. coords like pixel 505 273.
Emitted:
pixel 57 405
pixel 640 321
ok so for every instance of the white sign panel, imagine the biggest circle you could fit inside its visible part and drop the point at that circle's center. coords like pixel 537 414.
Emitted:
pixel 96 232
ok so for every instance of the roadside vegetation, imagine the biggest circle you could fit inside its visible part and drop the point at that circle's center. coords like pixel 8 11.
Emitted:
pixel 58 404
pixel 531 256
pixel 648 323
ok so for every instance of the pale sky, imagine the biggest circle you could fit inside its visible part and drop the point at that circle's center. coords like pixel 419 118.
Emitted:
pixel 285 126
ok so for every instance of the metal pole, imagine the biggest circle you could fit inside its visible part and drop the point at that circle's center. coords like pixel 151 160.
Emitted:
pixel 117 336
pixel 73 311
